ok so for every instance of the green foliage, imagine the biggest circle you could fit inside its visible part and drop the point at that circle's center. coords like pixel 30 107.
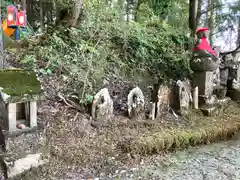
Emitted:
pixel 62 4
pixel 161 8
pixel 104 47
pixel 4 5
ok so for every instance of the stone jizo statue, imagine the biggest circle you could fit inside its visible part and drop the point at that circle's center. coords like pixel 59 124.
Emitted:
pixel 202 47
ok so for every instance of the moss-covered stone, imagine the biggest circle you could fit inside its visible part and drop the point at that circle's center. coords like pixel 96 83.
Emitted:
pixel 20 83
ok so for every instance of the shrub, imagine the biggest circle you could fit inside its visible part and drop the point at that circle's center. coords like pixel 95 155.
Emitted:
pixel 103 46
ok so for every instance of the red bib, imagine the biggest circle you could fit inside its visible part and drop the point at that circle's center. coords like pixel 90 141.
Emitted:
pixel 204 45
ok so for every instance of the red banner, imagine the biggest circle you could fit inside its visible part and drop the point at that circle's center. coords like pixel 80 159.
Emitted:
pixel 21 18
pixel 11 15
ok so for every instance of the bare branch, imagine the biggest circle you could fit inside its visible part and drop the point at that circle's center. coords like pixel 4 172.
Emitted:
pixel 70 103
pixel 212 8
pixel 230 52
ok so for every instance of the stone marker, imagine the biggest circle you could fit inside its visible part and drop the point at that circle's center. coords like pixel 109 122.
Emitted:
pixel 163 100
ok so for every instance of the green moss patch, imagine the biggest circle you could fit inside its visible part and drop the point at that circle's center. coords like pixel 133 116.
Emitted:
pixel 19 82
pixel 200 130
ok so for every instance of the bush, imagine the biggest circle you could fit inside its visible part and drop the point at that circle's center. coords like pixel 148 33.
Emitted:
pixel 103 46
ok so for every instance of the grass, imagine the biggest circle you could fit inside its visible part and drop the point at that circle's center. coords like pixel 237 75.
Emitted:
pixel 200 130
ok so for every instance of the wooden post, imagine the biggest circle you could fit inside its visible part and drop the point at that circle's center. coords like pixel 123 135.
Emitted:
pixel 33 114
pixel 12 119
pixel 153 110
pixel 195 97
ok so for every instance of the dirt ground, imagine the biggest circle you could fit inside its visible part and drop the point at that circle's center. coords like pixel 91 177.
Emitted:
pixel 79 150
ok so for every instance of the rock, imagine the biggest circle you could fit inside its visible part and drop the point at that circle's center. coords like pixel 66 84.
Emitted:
pixel 234 94
pixel 24 151
pixel 21 165
pixel 209 110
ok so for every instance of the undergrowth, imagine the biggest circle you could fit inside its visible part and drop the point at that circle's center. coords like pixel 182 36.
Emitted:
pixel 200 130
pixel 103 47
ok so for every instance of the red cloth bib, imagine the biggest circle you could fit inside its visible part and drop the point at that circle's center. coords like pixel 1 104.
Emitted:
pixel 204 45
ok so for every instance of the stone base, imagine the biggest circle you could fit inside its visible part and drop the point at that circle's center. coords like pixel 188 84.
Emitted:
pixel 22 150
pixel 137 113
pixel 22 165
pixel 224 100
pixel 204 82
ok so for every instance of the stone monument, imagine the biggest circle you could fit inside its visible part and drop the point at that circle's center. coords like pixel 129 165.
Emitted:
pixel 231 72
pixel 204 63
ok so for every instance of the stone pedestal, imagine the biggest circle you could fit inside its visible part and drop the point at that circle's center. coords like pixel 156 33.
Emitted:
pixel 204 82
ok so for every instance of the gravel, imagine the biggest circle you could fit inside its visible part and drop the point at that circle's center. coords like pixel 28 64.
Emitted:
pixel 219 161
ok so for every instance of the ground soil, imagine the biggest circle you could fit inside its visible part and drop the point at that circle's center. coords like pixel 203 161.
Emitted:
pixel 79 150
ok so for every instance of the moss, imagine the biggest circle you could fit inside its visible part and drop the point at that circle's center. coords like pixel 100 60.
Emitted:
pixel 200 130
pixel 19 82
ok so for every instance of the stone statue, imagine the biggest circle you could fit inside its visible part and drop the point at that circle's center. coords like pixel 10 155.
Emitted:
pixel 204 64
pixel 102 106
pixel 202 47
pixel 230 75
pixel 204 57
pixel 185 96
pixel 135 103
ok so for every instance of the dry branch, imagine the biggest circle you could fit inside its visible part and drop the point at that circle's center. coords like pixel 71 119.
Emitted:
pixel 70 103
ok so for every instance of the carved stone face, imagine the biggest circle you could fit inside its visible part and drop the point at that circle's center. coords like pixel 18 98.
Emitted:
pixel 202 34
pixel 137 100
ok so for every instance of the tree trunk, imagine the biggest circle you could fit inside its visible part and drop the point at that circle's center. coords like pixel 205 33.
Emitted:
pixel 136 11
pixel 199 12
pixel 211 20
pixel 121 7
pixel 24 5
pixel 193 7
pixel 41 17
pixel 128 10
pixel 238 36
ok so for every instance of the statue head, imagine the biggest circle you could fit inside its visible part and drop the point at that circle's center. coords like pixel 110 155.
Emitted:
pixel 202 32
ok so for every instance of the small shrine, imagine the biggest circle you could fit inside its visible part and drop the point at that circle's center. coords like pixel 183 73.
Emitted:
pixel 20 91
pixel 22 134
